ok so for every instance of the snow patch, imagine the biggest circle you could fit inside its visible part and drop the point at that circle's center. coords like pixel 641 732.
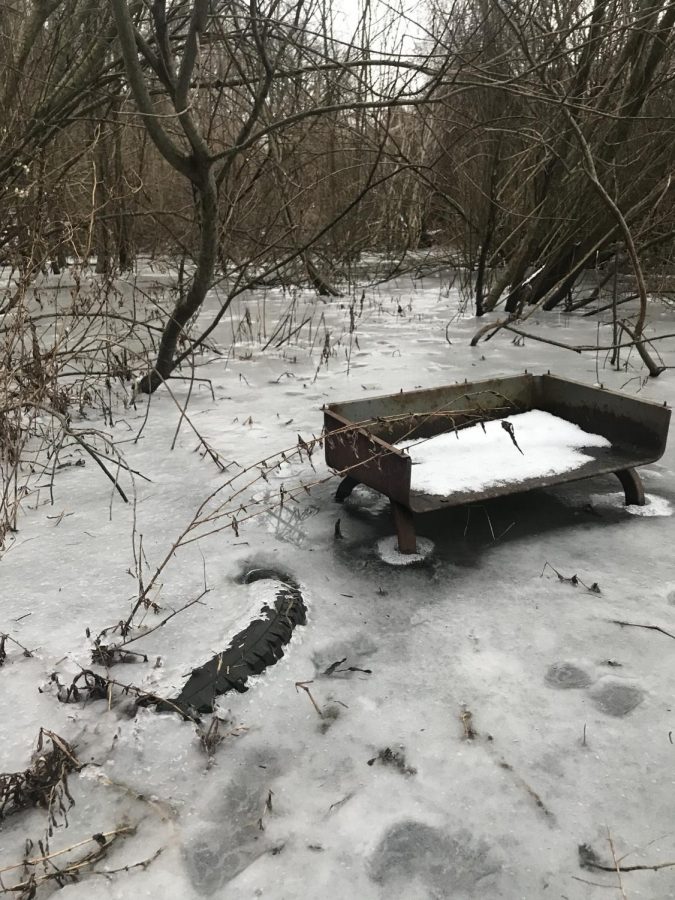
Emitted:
pixel 655 505
pixel 477 458
pixel 367 501
pixel 387 549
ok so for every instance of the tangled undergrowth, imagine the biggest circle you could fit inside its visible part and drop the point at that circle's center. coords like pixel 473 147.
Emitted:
pixel 69 347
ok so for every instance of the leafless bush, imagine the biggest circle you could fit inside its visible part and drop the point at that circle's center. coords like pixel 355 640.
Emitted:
pixel 69 346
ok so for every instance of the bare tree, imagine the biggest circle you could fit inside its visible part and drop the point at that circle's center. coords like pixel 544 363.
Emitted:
pixel 228 89
pixel 570 148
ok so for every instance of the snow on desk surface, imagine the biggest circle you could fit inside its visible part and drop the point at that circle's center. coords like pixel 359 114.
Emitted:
pixel 475 458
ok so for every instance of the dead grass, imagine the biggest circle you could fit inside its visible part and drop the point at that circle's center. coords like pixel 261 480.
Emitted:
pixel 44 783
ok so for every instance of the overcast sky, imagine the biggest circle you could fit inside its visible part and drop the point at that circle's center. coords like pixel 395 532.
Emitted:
pixel 405 12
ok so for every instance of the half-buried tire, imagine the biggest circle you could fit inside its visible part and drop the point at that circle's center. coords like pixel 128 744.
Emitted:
pixel 251 651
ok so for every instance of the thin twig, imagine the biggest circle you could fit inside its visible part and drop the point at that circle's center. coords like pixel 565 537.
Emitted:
pixel 164 621
pixel 305 688
pixel 616 864
pixel 122 830
pixel 638 625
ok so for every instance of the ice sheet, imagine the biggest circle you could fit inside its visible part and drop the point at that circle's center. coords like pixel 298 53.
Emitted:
pixel 571 712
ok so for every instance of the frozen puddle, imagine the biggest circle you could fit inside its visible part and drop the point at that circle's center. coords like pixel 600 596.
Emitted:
pixel 475 458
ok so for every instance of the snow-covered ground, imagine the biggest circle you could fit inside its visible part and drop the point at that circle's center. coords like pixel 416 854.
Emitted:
pixel 489 718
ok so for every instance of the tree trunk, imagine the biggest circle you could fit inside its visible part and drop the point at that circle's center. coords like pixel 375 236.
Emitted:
pixel 124 242
pixel 102 246
pixel 188 304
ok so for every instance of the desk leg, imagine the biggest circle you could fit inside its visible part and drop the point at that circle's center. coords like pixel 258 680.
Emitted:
pixel 345 488
pixel 405 528
pixel 632 487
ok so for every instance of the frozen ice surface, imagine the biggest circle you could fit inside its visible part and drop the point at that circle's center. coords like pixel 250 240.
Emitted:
pixel 571 713
pixel 475 458
pixel 566 675
pixel 413 851
pixel 387 549
pixel 616 698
